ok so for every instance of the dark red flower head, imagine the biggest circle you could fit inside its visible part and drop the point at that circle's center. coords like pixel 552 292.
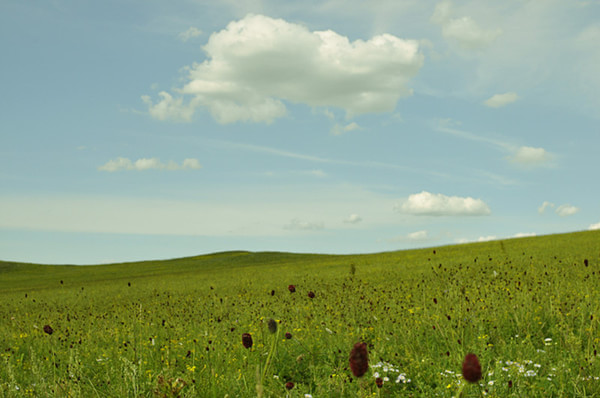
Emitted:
pixel 289 385
pixel 288 335
pixel 311 294
pixel 379 382
pixel 471 368
pixel 292 288
pixel 272 325
pixel 247 340
pixel 359 359
pixel 48 329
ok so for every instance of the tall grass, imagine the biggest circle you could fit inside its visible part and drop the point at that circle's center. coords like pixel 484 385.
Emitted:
pixel 529 308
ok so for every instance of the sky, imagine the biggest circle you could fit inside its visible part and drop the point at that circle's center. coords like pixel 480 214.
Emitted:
pixel 143 129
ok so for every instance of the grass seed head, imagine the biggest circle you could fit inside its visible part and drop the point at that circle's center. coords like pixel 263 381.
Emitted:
pixel 359 359
pixel 471 368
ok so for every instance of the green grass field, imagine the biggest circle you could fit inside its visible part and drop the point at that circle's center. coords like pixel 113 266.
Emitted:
pixel 529 308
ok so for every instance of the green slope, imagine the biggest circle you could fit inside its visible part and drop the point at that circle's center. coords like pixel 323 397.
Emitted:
pixel 22 276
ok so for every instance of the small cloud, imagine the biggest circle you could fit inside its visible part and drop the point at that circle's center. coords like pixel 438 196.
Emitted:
pixel 524 234
pixel 418 235
pixel 500 100
pixel 530 156
pixel 428 204
pixel 353 219
pixel 463 30
pixel 544 206
pixel 593 227
pixel 301 225
pixel 189 34
pixel 566 210
pixel 486 238
pixel 338 129
pixel 142 164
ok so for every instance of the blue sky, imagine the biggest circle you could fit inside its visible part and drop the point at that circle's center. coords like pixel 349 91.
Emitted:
pixel 135 130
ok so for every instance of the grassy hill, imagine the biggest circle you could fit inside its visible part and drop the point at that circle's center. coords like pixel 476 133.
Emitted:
pixel 528 307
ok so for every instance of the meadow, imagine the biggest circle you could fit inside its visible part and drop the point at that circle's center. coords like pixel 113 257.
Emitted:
pixel 529 308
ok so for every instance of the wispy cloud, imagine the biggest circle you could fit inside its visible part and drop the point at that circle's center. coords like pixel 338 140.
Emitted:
pixel 500 100
pixel 190 33
pixel 525 156
pixel 353 219
pixel 304 225
pixel 544 206
pixel 462 30
pixel 120 164
pixel 564 210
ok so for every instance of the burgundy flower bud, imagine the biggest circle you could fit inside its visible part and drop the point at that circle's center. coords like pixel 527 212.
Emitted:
pixel 379 382
pixel 471 368
pixel 272 325
pixel 292 288
pixel 288 335
pixel 247 340
pixel 359 359
pixel 311 294
pixel 48 329
pixel 289 385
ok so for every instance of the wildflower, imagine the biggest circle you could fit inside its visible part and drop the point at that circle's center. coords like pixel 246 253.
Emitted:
pixel 48 329
pixel 288 335
pixel 272 324
pixel 359 359
pixel 247 340
pixel 292 288
pixel 311 294
pixel 471 368
pixel 289 385
pixel 379 382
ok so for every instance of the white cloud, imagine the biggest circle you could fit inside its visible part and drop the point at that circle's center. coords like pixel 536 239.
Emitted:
pixel 500 100
pixel 142 164
pixel 566 210
pixel 339 129
pixel 303 225
pixel 428 204
pixel 524 234
pixel 256 63
pixel 544 206
pixel 463 30
pixel 418 235
pixel 594 226
pixel 530 156
pixel 169 108
pixel 353 219
pixel 189 34
pixel 486 238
